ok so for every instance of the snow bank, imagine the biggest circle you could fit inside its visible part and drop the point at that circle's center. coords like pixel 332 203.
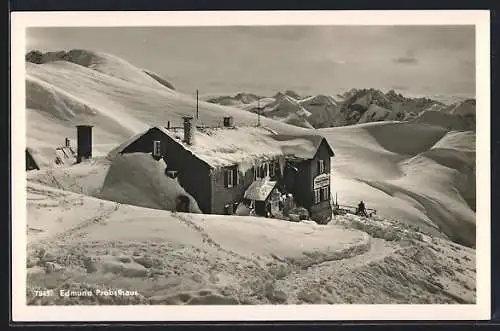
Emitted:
pixel 140 180
pixel 84 243
pixel 283 240
pixel 86 177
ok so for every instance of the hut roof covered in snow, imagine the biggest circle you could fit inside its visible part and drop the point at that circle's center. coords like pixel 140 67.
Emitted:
pixel 226 146
pixel 260 189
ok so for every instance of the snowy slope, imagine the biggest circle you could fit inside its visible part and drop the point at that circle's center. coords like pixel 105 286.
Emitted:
pixel 466 107
pixel 102 62
pixel 426 176
pixel 80 243
pixel 446 120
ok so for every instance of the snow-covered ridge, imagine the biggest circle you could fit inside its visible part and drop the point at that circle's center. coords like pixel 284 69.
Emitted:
pixel 102 62
pixel 355 106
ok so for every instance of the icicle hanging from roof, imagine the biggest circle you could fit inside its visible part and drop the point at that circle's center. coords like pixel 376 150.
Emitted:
pixel 282 163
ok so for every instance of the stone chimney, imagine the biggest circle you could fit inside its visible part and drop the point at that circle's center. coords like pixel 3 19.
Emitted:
pixel 84 142
pixel 189 129
pixel 228 121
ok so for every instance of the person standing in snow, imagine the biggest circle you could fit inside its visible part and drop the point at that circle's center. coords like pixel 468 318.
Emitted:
pixel 361 209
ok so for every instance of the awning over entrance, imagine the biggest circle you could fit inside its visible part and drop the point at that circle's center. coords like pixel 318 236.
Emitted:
pixel 260 189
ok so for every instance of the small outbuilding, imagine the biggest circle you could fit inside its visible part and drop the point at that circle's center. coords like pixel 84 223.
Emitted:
pixel 31 163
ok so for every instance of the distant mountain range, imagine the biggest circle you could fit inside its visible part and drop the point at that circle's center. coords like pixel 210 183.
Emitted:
pixel 355 106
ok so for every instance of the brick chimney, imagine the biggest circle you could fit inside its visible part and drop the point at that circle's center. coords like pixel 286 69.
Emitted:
pixel 189 129
pixel 228 121
pixel 84 142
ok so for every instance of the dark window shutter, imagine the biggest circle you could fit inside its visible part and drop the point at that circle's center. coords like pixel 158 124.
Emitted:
pixel 226 180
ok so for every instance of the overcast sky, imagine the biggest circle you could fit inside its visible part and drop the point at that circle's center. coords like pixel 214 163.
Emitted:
pixel 418 59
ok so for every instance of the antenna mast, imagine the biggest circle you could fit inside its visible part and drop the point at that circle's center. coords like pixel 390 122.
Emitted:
pixel 258 111
pixel 197 113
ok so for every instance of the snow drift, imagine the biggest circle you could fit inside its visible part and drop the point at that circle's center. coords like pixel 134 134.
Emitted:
pixel 138 179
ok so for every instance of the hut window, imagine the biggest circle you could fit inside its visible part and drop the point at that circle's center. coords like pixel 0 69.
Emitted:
pixel 317 196
pixel 325 193
pixel 228 178
pixel 156 148
pixel 321 166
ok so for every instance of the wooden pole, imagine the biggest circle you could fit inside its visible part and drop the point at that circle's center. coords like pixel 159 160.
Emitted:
pixel 197 112
pixel 258 112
